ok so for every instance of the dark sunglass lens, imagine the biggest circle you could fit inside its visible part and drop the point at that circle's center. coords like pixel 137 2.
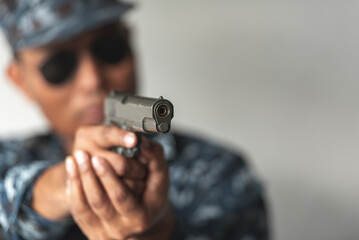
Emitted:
pixel 110 49
pixel 59 67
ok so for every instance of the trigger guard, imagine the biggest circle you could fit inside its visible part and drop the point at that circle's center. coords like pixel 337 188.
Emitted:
pixel 128 152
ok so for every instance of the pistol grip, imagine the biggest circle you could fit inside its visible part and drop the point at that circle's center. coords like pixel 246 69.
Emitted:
pixel 129 152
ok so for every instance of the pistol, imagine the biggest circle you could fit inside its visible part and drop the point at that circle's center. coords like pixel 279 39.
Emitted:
pixel 137 114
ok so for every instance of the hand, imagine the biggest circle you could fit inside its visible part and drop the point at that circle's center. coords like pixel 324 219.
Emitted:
pixel 104 207
pixel 97 140
pixel 49 188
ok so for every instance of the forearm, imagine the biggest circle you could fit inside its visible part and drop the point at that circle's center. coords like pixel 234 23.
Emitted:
pixel 49 193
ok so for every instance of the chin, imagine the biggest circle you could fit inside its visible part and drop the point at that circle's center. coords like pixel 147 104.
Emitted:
pixel 93 121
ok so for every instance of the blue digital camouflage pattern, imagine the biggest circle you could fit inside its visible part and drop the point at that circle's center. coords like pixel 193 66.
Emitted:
pixel 213 192
pixel 30 23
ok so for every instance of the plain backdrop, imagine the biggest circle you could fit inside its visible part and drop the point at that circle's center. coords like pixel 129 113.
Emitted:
pixel 276 80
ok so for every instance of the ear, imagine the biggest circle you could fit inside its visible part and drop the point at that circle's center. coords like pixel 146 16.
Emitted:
pixel 15 75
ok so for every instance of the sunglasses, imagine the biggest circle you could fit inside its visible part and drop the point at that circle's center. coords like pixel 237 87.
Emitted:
pixel 59 67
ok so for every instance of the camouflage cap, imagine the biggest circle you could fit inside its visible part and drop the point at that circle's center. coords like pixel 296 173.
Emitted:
pixel 30 23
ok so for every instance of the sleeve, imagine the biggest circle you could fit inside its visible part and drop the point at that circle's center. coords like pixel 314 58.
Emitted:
pixel 17 219
pixel 217 196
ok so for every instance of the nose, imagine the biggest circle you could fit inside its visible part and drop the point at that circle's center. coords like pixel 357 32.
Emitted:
pixel 88 76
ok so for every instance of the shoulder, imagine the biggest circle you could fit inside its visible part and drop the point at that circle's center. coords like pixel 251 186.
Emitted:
pixel 16 151
pixel 210 183
pixel 46 146
pixel 209 152
pixel 205 167
pixel 206 159
pixel 10 150
pixel 16 144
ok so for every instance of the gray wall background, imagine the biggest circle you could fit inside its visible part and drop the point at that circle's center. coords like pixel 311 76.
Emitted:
pixel 276 80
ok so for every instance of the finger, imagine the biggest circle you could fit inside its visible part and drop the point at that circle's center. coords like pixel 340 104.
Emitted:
pixel 104 137
pixel 121 197
pixel 108 136
pixel 124 167
pixel 95 195
pixel 156 190
pixel 71 168
pixel 78 204
pixel 152 153
pixel 135 186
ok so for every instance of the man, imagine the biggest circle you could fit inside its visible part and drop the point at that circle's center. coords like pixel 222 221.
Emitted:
pixel 68 55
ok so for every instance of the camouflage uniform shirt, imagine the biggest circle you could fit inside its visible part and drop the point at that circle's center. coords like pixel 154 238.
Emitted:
pixel 212 190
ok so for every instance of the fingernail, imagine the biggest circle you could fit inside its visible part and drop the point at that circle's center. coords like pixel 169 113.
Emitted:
pixel 81 159
pixel 130 139
pixel 70 167
pixel 97 163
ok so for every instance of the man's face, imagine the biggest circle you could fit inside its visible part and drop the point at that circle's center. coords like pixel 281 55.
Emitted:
pixel 79 99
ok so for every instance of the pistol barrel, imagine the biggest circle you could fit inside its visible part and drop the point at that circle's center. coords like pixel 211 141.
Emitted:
pixel 139 114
